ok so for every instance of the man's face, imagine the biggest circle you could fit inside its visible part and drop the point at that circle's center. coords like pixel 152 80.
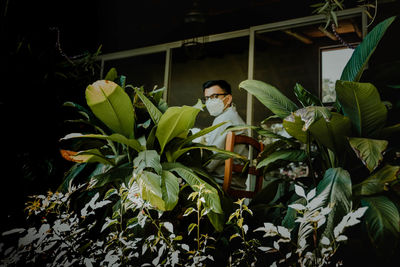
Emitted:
pixel 217 92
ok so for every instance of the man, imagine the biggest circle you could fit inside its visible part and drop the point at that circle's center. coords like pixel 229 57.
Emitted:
pixel 218 100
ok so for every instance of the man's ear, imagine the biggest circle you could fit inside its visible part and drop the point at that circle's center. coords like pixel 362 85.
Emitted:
pixel 229 100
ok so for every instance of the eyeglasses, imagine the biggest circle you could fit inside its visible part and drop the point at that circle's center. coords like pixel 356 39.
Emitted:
pixel 213 96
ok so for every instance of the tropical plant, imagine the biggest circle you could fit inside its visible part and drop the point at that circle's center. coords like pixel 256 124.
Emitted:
pixel 346 146
pixel 135 134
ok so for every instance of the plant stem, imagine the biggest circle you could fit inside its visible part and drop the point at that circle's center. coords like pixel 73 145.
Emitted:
pixel 159 229
pixel 308 152
pixel 198 221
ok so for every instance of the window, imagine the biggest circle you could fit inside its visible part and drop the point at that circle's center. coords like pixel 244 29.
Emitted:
pixel 144 70
pixel 333 62
pixel 226 60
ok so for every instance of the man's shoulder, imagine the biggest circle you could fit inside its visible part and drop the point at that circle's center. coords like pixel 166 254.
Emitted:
pixel 235 117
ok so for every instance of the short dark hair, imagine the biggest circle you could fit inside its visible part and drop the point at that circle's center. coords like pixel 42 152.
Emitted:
pixel 221 83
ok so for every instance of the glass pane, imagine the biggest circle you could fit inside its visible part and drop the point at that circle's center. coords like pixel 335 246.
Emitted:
pixel 333 62
pixel 286 57
pixel 145 70
pixel 222 60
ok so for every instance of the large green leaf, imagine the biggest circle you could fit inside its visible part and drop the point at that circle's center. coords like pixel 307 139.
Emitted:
pixel 286 155
pixel 150 188
pixel 175 122
pixel 111 75
pixel 378 182
pixel 170 189
pixel 259 130
pixel 133 143
pixel 117 173
pixel 294 126
pixel 176 154
pixel 157 94
pixel 381 220
pixel 390 131
pixel 90 155
pixel 154 112
pixel 217 220
pixel 332 133
pixel 147 159
pixel 309 115
pixel 298 122
pixel 334 189
pixel 212 199
pixel 109 102
pixel 362 104
pixel 356 65
pixel 370 151
pixel 271 97
pixel 201 133
pixel 72 173
pixel 305 97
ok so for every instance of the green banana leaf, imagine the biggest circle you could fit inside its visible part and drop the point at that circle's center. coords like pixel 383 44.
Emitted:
pixel 111 75
pixel 83 111
pixel 332 134
pixel 150 189
pixel 356 65
pixel 330 128
pixel 378 182
pixel 271 97
pixel 310 114
pixel 154 112
pixel 361 102
pixel 175 122
pixel 212 199
pixel 259 130
pixel 389 131
pixel 117 173
pixel 381 221
pixel 201 133
pixel 305 97
pixel 109 102
pixel 170 189
pixel 133 143
pixel 90 156
pixel 294 127
pixel 151 138
pixel 334 189
pixel 157 94
pixel 147 159
pixel 271 148
pixel 286 155
pixel 72 173
pixel 370 151
pixel 176 154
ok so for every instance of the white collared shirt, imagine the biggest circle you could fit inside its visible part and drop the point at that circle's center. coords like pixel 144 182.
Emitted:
pixel 215 138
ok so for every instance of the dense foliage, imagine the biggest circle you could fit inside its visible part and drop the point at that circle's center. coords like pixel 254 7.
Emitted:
pixel 138 195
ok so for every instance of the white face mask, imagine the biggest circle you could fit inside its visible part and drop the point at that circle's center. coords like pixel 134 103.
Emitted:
pixel 215 106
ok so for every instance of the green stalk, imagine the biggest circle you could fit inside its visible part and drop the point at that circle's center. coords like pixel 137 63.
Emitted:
pixel 308 152
pixel 110 143
pixel 198 221
pixel 159 230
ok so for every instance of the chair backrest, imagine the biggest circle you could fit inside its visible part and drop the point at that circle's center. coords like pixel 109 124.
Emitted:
pixel 231 167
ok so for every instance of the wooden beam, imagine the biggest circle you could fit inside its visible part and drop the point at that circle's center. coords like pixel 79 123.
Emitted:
pixel 299 36
pixel 327 33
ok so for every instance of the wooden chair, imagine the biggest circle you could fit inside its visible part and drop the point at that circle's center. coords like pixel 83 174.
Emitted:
pixel 231 167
